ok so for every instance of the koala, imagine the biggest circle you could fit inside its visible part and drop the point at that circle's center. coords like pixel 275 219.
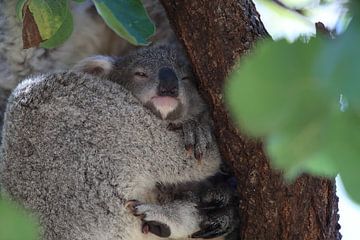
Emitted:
pixel 84 155
pixel 161 79
pixel 91 36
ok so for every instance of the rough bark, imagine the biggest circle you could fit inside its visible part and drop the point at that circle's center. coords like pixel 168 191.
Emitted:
pixel 215 34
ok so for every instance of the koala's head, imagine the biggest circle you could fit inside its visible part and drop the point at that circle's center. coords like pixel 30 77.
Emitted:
pixel 160 77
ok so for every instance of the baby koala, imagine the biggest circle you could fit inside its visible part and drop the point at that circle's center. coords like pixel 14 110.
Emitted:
pixel 161 78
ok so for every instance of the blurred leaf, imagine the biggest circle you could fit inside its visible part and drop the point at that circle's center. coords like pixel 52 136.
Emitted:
pixel 301 151
pixel 15 224
pixel 344 146
pixel 339 66
pixel 273 86
pixel 128 19
pixel 288 94
pixel 299 4
pixel 282 23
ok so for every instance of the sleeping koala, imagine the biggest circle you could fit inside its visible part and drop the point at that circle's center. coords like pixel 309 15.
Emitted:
pixel 161 78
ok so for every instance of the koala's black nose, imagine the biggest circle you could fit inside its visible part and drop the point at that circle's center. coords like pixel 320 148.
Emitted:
pixel 169 83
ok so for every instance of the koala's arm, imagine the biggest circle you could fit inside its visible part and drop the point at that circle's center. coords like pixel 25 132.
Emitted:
pixel 205 209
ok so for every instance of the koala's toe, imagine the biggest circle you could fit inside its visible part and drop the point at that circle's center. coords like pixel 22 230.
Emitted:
pixel 218 223
pixel 156 228
pixel 134 207
pixel 198 152
pixel 209 232
pixel 189 135
pixel 202 141
pixel 131 205
pixel 174 127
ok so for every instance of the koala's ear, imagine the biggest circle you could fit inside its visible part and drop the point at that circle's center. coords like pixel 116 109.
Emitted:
pixel 95 65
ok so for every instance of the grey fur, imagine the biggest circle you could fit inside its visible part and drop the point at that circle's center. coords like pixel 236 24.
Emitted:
pixel 76 147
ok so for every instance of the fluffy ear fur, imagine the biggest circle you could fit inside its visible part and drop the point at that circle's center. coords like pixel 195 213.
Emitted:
pixel 95 65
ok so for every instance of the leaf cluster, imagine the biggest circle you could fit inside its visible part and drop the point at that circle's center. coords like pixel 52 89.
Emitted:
pixel 48 23
pixel 303 99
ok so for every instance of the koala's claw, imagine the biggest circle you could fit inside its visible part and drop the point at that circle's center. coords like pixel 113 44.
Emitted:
pixel 198 153
pixel 197 138
pixel 146 214
pixel 157 228
pixel 218 206
pixel 211 231
pixel 174 127
pixel 131 205
pixel 145 229
pixel 219 222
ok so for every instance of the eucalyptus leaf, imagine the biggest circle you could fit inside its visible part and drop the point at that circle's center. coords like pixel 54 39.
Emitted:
pixel 19 9
pixel 49 15
pixel 61 35
pixel 128 19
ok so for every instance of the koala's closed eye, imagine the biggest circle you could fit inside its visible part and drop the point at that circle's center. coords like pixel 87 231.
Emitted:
pixel 141 74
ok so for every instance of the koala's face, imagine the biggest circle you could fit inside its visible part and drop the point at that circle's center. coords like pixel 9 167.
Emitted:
pixel 160 78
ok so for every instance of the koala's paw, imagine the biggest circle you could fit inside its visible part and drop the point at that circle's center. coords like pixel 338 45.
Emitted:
pixel 149 215
pixel 219 222
pixel 219 211
pixel 197 137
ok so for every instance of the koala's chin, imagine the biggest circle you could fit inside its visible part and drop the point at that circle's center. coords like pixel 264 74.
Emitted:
pixel 166 108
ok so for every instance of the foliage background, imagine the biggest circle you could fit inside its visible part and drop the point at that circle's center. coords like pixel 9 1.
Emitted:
pixel 285 24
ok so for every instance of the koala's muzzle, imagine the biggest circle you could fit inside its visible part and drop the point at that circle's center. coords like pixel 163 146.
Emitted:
pixel 169 83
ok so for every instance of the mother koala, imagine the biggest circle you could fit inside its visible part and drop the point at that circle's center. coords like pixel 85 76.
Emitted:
pixel 87 158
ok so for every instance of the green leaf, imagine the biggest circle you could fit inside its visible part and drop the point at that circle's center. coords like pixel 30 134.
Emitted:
pixel 344 146
pixel 16 224
pixel 61 35
pixel 128 19
pixel 19 9
pixel 289 94
pixel 268 90
pixel 49 16
pixel 339 66
pixel 301 150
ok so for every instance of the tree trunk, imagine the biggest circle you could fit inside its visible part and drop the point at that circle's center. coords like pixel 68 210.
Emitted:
pixel 215 34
